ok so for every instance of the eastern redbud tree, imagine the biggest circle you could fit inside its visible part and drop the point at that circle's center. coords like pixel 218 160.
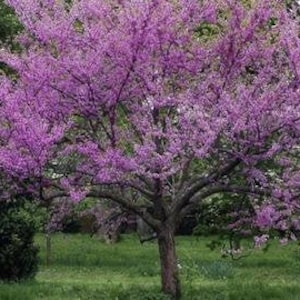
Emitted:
pixel 156 105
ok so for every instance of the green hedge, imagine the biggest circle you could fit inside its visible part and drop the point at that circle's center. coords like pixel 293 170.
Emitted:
pixel 18 254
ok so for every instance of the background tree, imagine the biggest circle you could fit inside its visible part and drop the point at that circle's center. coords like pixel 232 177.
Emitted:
pixel 9 25
pixel 139 102
pixel 18 254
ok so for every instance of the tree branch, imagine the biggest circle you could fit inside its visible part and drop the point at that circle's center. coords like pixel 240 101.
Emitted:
pixel 198 183
pixel 126 203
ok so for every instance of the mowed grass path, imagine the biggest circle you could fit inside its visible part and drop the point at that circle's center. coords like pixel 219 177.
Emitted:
pixel 85 268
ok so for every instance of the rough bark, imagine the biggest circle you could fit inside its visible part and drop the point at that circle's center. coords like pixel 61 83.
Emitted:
pixel 168 260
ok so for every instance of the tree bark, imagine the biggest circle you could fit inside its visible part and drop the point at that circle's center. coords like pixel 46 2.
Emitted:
pixel 169 268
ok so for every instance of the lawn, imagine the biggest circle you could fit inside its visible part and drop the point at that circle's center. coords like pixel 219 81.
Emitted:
pixel 85 268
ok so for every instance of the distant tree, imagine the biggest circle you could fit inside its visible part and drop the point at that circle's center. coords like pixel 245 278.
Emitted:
pixel 18 254
pixel 130 101
pixel 9 24
pixel 9 28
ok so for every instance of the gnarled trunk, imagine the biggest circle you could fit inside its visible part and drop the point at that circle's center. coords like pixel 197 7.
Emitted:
pixel 168 261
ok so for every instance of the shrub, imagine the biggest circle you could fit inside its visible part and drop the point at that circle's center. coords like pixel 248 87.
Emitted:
pixel 18 254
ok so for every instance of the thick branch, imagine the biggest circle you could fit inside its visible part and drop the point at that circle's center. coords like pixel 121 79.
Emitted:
pixel 115 197
pixel 126 203
pixel 148 194
pixel 196 184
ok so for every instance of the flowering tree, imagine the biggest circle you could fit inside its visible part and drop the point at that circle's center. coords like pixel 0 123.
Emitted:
pixel 156 106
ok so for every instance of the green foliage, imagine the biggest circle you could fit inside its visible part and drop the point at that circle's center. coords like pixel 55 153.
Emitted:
pixel 205 32
pixel 9 28
pixel 18 254
pixel 34 214
pixel 225 215
pixel 9 25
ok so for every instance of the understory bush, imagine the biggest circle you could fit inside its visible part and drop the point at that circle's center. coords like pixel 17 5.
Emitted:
pixel 18 254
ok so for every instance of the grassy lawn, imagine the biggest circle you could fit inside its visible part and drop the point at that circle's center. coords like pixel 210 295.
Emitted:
pixel 85 268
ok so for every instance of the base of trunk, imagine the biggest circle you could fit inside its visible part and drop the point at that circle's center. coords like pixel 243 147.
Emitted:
pixel 169 268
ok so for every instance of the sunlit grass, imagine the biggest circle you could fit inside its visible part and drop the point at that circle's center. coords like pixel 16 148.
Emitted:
pixel 85 268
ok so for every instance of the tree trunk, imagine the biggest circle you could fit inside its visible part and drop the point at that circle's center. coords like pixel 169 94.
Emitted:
pixel 169 268
pixel 48 249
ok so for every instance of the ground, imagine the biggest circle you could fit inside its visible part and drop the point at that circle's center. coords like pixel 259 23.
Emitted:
pixel 85 268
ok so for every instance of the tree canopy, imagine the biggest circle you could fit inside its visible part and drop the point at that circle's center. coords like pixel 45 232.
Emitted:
pixel 132 102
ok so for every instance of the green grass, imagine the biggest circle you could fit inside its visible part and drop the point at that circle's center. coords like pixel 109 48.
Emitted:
pixel 85 268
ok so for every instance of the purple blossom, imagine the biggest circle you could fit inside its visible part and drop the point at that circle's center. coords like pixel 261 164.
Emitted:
pixel 133 103
pixel 267 217
pixel 260 241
